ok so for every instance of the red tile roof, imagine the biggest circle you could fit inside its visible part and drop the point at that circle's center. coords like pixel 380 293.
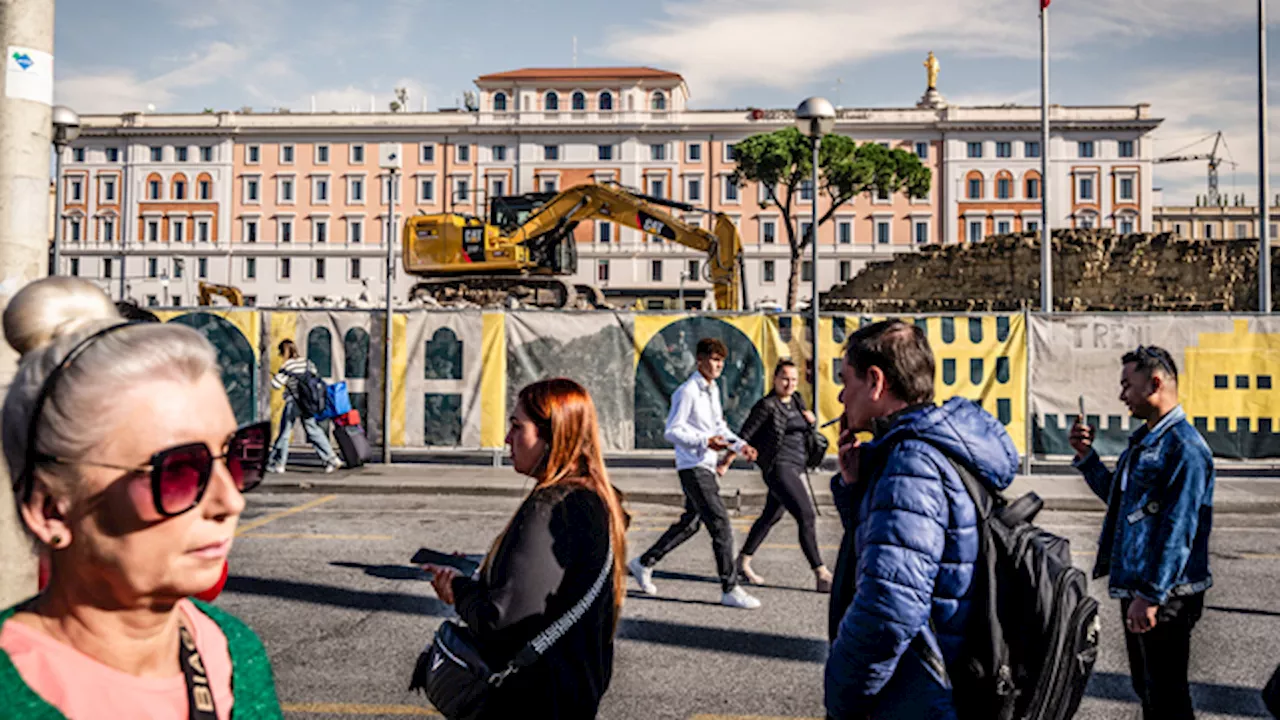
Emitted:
pixel 593 73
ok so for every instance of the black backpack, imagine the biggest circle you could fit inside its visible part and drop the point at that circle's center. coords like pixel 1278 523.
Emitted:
pixel 310 393
pixel 1032 637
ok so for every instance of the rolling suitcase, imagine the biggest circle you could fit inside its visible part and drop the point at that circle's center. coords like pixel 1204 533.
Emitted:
pixel 353 445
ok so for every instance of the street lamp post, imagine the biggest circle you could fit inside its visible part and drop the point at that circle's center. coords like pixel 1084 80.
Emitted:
pixel 389 159
pixel 815 117
pixel 66 127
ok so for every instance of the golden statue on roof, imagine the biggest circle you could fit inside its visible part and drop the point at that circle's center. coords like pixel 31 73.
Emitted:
pixel 931 65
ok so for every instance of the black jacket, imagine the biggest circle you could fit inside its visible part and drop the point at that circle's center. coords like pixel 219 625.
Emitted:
pixel 766 426
pixel 550 556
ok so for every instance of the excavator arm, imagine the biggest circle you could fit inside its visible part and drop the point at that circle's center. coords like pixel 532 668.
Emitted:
pixel 723 244
pixel 209 290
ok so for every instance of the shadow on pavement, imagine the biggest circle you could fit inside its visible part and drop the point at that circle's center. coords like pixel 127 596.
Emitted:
pixel 637 595
pixel 339 596
pixel 387 572
pixel 1208 697
pixel 737 642
pixel 1242 611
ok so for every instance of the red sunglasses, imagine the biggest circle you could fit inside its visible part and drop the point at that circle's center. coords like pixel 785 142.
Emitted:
pixel 180 474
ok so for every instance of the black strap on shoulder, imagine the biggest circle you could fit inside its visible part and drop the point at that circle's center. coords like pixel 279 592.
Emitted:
pixel 199 694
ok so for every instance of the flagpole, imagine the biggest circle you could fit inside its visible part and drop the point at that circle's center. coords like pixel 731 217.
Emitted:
pixel 1046 232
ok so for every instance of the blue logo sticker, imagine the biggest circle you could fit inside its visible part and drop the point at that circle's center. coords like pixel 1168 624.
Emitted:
pixel 24 60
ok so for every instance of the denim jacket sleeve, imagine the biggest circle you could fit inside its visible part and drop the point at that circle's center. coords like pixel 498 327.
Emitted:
pixel 1188 470
pixel 905 533
pixel 1096 475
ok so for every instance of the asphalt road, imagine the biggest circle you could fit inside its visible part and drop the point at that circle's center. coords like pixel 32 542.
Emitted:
pixel 325 581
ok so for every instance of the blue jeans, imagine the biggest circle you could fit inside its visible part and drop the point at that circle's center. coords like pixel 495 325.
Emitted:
pixel 280 451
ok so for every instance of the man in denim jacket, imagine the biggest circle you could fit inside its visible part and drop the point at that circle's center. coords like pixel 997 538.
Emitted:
pixel 1155 539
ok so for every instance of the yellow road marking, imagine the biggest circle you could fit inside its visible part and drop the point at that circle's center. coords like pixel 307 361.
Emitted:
pixel 358 709
pixel 285 513
pixel 314 536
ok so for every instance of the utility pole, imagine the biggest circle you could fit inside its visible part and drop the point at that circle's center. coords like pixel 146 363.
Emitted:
pixel 389 159
pixel 26 131
pixel 1264 182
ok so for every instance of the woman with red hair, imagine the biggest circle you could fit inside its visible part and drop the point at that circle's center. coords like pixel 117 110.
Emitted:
pixel 547 559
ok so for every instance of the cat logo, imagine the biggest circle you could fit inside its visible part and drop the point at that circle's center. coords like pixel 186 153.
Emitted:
pixel 654 226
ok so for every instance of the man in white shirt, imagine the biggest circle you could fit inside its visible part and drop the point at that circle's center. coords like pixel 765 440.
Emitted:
pixel 697 429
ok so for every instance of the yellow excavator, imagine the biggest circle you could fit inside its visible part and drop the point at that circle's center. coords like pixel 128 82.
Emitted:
pixel 527 245
pixel 209 290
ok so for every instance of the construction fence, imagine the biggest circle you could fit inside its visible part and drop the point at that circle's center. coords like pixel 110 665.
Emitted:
pixel 455 374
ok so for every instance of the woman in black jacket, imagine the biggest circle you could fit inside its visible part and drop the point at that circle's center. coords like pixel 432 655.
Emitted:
pixel 777 427
pixel 547 559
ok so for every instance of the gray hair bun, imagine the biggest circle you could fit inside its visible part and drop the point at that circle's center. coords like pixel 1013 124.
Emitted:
pixel 51 308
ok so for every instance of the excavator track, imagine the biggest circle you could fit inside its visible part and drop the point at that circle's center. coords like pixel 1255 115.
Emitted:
pixel 491 290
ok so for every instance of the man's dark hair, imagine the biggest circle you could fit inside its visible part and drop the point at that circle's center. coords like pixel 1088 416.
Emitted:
pixel 902 353
pixel 1149 359
pixel 782 364
pixel 708 347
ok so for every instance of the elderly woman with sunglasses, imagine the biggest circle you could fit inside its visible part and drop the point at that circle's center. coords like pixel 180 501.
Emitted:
pixel 128 470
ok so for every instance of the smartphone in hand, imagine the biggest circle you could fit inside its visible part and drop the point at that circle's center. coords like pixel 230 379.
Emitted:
pixel 432 557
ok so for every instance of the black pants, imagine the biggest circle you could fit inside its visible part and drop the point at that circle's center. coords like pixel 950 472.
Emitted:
pixel 702 504
pixel 787 492
pixel 1158 659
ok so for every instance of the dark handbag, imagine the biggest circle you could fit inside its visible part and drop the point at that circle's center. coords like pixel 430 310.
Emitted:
pixel 1271 694
pixel 456 678
pixel 815 448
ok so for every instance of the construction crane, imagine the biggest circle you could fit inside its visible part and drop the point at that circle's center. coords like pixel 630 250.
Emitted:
pixel 1214 197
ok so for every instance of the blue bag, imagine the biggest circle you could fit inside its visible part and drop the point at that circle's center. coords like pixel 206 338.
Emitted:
pixel 337 401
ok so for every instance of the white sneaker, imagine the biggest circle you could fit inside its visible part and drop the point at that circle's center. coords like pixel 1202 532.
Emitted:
pixel 275 469
pixel 738 598
pixel 332 466
pixel 643 576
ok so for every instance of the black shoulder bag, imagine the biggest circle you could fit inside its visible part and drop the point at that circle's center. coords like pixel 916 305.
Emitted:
pixel 458 681
pixel 815 446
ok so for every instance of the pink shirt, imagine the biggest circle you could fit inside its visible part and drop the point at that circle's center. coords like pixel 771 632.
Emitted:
pixel 82 688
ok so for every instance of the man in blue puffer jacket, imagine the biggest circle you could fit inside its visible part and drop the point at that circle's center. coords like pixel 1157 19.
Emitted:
pixel 903 581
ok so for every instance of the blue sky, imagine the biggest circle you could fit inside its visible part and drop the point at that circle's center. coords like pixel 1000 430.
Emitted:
pixel 1193 60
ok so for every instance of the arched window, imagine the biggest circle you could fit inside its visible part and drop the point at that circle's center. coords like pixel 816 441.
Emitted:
pixel 606 100
pixel 1004 185
pixel 500 102
pixel 974 186
pixel 443 359
pixel 659 102
pixel 579 101
pixel 1031 187
pixel 551 102
pixel 320 350
pixel 178 187
pixel 355 348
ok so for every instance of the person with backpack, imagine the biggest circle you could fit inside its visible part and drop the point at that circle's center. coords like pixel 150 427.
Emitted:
pixel 304 398
pixel 901 595
pixel 1155 538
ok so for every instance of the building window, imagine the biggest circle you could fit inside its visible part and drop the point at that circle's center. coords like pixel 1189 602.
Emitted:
pixel 286 190
pixel 108 229
pixel 286 268
pixel 1242 230
pixel 692 271
pixel 153 267
pixel 113 155
pixel 768 232
pixel 658 188
pixel 658 152
pixel 153 189
pixel 77 155
pixel 602 271
pixel 550 152
pixel 975 188
pixel 355 268
pixel 578 101
pixel 180 154
pixel 253 155
pixel 1208 231
pixel 1126 188
pixel 806 271
pixel 694 152
pixel 604 232
pixel 250 268
pixel 549 185
pixel 655 270
pixel 659 102
pixel 1086 188
pixel 1003 227
pixel 1084 149
pixel 975 150
pixel 551 102
pixel 882 232
pixel 321 230
pixel 106 267
pixel 806 191
pixel 251 190
pixel 205 189
pixel 251 231
pixel 1264 382
pixel 427 153
pixel 922 150
pixel 770 271
pixel 426 190
pixel 499 188
pixel 75 267
pixel 499 153
pixel 1086 222
pixel 322 190
pixel 286 154
pixel 1033 188
pixel 1177 229
pixel 157 153
pixel 1126 149
pixel 1033 226
pixel 694 190
pixel 604 152
pixel 355 191
pixel 846 270
pixel 606 101
pixel 152 301
pixel 153 231
pixel 922 232
pixel 206 153
pixel 1031 149
pixel 1004 149
pixel 322 154
pixel 319 268
pixel 1004 188
pixel 844 232
pixel 462 190
pixel 975 231
pixel 806 230
pixel 463 153
pixel 730 152
pixel 179 231
pixel 355 231
pixel 500 102
pixel 357 154
pixel 1126 226
pixel 202 230
pixel 179 190
pixel 75 230
pixel 730 190
pixel 76 191
pixel 202 268
pixel 286 231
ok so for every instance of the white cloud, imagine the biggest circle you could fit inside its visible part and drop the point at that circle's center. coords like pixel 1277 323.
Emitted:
pixel 197 22
pixel 114 91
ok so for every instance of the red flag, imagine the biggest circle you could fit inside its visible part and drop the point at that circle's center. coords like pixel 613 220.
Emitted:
pixel 1044 4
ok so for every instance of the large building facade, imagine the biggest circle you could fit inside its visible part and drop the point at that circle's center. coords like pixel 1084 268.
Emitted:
pixel 294 205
